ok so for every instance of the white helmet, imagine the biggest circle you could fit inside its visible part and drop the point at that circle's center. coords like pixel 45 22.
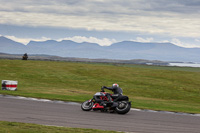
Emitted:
pixel 115 85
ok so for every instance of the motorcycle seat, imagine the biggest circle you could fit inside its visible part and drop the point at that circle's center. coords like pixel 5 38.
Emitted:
pixel 121 98
pixel 113 96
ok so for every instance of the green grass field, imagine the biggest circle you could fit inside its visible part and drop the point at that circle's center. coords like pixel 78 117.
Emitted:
pixel 148 87
pixel 14 127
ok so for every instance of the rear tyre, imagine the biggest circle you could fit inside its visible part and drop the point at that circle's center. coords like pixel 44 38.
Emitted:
pixel 123 107
pixel 87 106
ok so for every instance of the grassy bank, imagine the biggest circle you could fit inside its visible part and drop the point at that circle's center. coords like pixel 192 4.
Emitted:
pixel 149 87
pixel 14 127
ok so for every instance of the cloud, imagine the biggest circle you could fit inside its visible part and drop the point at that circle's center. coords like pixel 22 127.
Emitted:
pixel 25 41
pixel 183 44
pixel 105 41
pixel 79 39
pixel 197 40
pixel 177 18
pixel 175 41
pixel 140 39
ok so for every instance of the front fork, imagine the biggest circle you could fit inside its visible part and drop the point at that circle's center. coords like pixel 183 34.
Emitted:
pixel 91 100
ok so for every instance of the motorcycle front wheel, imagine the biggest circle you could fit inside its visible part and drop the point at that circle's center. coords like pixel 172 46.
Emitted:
pixel 87 106
pixel 123 107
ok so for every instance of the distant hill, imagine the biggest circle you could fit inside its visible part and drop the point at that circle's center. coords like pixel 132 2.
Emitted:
pixel 10 46
pixel 57 58
pixel 125 50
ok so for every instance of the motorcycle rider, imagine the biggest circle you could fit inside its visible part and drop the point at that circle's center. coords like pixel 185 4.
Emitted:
pixel 115 88
pixel 117 93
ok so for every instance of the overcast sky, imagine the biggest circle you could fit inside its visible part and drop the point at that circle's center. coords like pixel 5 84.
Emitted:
pixel 102 21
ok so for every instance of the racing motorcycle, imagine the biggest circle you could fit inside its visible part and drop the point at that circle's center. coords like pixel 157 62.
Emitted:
pixel 121 104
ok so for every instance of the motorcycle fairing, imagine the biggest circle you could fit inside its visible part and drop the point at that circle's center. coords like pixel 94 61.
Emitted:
pixel 97 106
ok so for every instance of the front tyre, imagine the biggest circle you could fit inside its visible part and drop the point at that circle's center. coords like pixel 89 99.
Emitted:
pixel 123 107
pixel 87 106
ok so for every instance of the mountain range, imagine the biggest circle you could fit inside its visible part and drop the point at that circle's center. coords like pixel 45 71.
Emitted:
pixel 125 50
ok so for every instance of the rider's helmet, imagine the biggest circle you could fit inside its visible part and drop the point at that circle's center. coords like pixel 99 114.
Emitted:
pixel 115 85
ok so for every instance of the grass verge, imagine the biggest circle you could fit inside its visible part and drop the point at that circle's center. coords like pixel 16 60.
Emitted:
pixel 16 127
pixel 148 87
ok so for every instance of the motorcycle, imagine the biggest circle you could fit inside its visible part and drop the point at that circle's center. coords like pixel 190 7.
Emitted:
pixel 120 104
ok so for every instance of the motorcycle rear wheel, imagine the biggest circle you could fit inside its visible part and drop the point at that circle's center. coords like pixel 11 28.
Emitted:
pixel 123 107
pixel 87 106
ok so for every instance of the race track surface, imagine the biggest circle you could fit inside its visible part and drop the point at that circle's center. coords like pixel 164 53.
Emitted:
pixel 71 115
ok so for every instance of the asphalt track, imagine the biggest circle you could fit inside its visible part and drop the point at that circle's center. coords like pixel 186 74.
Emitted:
pixel 71 115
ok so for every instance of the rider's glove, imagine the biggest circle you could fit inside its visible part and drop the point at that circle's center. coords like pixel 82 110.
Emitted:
pixel 102 89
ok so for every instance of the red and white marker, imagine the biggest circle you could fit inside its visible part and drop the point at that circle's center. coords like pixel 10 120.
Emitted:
pixel 9 85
